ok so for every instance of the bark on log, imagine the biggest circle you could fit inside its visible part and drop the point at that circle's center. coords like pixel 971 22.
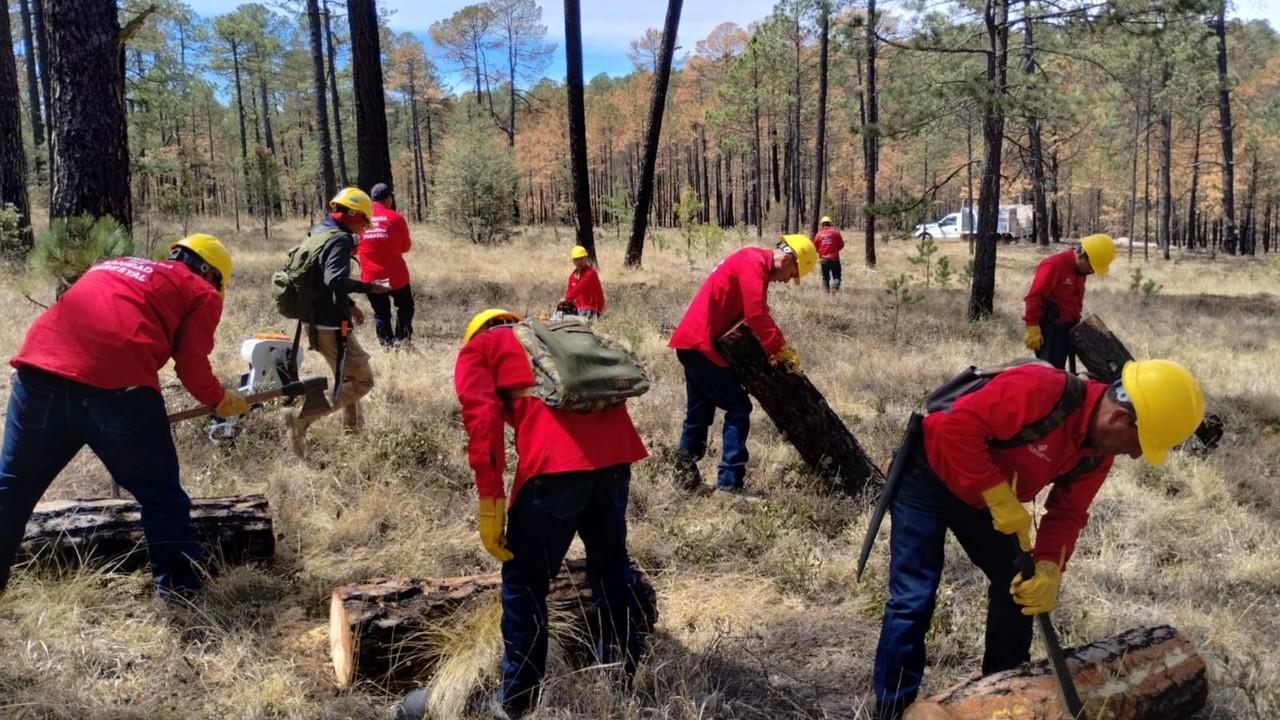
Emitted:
pixel 1149 673
pixel 801 414
pixel 1104 356
pixel 233 530
pixel 373 625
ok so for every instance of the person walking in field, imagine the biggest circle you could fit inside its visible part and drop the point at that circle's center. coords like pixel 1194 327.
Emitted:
pixel 87 374
pixel 1056 298
pixel 584 291
pixel 829 242
pixel 381 254
pixel 736 290
pixel 969 469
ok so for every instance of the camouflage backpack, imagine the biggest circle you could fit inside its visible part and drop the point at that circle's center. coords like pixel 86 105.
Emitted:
pixel 575 369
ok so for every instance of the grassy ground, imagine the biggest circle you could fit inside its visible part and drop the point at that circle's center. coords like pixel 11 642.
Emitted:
pixel 761 617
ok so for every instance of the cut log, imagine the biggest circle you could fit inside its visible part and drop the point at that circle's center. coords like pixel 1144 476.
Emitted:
pixel 234 530
pixel 1104 356
pixel 1149 673
pixel 376 628
pixel 801 414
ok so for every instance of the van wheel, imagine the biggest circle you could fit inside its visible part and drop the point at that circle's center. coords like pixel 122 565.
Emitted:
pixel 925 236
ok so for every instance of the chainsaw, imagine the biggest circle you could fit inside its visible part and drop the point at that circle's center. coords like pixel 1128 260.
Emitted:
pixel 272 366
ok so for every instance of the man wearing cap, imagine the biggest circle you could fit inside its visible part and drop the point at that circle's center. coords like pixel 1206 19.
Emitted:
pixel 584 291
pixel 829 243
pixel 381 253
pixel 1056 297
pixel 87 374
pixel 737 290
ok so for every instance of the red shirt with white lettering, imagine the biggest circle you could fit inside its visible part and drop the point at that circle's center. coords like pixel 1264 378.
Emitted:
pixel 547 440
pixel 956 446
pixel 122 321
pixel 737 289
pixel 829 243
pixel 1057 282
pixel 382 247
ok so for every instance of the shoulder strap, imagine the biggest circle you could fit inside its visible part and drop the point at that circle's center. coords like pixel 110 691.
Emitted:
pixel 1070 401
pixel 1084 467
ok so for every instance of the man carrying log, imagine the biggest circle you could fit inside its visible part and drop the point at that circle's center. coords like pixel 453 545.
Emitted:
pixel 87 374
pixel 573 477
pixel 737 289
pixel 968 469
pixel 1056 298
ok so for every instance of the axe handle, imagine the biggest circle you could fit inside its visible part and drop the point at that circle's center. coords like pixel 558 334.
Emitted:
pixel 202 411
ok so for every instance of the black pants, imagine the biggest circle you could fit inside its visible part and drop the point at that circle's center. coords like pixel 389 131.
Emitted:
pixel 403 327
pixel 1057 343
pixel 831 275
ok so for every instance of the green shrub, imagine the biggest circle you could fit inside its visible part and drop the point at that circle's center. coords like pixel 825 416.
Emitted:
pixel 73 245
pixel 476 181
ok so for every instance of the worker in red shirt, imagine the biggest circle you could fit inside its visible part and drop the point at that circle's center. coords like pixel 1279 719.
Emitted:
pixel 1056 297
pixel 584 290
pixel 829 242
pixel 87 374
pixel 967 471
pixel 381 253
pixel 737 290
pixel 572 477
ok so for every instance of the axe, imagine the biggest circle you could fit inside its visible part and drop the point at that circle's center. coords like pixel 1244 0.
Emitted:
pixel 311 390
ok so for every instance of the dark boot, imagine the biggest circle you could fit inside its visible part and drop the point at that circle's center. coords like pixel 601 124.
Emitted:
pixel 686 478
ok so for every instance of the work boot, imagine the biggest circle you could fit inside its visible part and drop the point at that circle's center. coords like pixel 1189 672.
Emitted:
pixel 352 418
pixel 297 427
pixel 686 477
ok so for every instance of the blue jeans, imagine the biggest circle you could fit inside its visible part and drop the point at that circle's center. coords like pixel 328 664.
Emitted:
pixel 541 524
pixel 923 511
pixel 707 387
pixel 1057 343
pixel 50 418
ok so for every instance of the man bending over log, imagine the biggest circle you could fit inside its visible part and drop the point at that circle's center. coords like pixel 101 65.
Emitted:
pixel 1056 298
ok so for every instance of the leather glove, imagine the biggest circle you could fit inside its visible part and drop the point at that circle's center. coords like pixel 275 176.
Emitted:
pixel 1007 513
pixel 1040 593
pixel 1034 340
pixel 233 403
pixel 789 357
pixel 492 518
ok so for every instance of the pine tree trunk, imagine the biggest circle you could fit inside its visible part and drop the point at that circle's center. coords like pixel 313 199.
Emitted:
pixel 42 55
pixel 871 139
pixel 652 134
pixel 339 142
pixel 33 88
pixel 13 159
pixel 1224 122
pixel 373 156
pixel 1166 161
pixel 328 183
pixel 88 133
pixel 757 179
pixel 982 295
pixel 820 148
pixel 578 126
pixel 1041 207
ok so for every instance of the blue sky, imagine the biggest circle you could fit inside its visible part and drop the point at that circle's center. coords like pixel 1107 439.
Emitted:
pixel 608 26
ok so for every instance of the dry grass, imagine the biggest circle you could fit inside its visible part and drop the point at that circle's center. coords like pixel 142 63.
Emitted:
pixel 761 617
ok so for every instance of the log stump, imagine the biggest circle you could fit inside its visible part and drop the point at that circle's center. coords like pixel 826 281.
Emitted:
pixel 1104 356
pixel 1149 673
pixel 374 626
pixel 801 414
pixel 235 529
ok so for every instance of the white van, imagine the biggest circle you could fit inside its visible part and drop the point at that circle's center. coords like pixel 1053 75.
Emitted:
pixel 1014 223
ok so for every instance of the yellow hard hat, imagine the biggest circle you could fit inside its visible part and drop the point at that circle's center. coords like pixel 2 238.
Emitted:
pixel 1101 250
pixel 211 250
pixel 1167 401
pixel 485 317
pixel 806 254
pixel 826 220
pixel 578 252
pixel 353 199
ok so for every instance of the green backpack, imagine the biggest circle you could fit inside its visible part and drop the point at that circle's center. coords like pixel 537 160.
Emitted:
pixel 293 286
pixel 577 370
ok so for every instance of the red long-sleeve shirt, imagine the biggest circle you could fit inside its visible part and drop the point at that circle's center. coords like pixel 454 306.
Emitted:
pixel 956 446
pixel 1056 282
pixel 737 289
pixel 382 248
pixel 829 242
pixel 122 321
pixel 584 290
pixel 547 440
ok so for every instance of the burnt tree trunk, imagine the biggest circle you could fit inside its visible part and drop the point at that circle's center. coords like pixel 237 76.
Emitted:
pixel 33 85
pixel 328 182
pixel 13 160
pixel 1040 225
pixel 820 147
pixel 1104 356
pixel 236 529
pixel 1148 673
pixel 983 293
pixel 330 44
pixel 88 133
pixel 870 139
pixel 1165 231
pixel 1224 123
pixel 801 414
pixel 375 628
pixel 373 156
pixel 577 125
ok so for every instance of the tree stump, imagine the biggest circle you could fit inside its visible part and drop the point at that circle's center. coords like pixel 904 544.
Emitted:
pixel 1149 673
pixel 234 529
pixel 1104 356
pixel 801 414
pixel 376 627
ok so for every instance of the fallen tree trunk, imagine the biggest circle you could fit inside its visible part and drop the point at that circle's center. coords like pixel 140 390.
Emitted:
pixel 1104 356
pixel 1149 673
pixel 234 529
pixel 801 414
pixel 377 629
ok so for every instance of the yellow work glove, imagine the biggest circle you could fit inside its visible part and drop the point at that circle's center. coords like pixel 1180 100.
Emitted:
pixel 1040 593
pixel 789 357
pixel 1034 340
pixel 1007 513
pixel 233 403
pixel 492 518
